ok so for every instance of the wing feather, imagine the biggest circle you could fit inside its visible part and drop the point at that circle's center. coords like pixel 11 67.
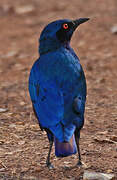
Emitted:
pixel 48 102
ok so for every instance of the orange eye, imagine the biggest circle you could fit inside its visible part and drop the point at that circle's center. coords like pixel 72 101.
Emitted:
pixel 65 26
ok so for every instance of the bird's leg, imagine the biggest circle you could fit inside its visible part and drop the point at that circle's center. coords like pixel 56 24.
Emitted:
pixel 48 163
pixel 77 137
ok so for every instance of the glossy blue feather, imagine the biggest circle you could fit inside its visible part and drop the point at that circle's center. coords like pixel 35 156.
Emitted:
pixel 61 74
pixel 57 86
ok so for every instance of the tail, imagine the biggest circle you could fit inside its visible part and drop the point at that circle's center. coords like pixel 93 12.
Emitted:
pixel 63 149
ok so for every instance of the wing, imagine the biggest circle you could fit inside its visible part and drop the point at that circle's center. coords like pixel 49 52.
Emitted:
pixel 79 105
pixel 47 100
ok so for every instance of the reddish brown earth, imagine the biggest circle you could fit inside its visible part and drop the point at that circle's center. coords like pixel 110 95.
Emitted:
pixel 23 147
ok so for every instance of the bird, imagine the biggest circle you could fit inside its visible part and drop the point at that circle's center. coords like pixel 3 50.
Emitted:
pixel 58 90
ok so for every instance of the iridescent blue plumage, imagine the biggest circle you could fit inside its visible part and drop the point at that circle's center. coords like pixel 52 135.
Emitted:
pixel 57 85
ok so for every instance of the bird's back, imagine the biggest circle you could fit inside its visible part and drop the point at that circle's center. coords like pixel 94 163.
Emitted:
pixel 61 74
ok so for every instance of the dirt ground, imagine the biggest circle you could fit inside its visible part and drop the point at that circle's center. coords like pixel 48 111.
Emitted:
pixel 23 147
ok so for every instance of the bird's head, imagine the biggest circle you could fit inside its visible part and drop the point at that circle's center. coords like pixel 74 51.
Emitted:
pixel 58 33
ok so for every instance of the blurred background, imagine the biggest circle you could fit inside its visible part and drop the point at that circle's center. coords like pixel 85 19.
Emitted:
pixel 23 147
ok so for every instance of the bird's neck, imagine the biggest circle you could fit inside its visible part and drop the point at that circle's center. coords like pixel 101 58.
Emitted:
pixel 48 45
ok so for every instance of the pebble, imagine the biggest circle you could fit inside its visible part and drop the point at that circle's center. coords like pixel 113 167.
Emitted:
pixel 12 126
pixel 9 54
pixel 97 176
pixel 24 9
pixel 2 110
pixel 114 29
pixel 21 142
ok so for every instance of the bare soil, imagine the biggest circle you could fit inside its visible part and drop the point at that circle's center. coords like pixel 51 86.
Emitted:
pixel 23 147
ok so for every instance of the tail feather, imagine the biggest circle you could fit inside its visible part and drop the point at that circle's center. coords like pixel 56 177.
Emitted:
pixel 63 149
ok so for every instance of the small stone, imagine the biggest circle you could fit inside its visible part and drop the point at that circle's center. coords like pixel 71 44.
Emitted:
pixel 12 126
pixel 21 142
pixel 1 142
pixel 22 103
pixel 109 171
pixel 114 29
pixel 24 9
pixel 2 169
pixel 9 54
pixel 22 56
pixel 2 110
pixel 26 177
pixel 66 162
pixel 18 66
pixel 97 176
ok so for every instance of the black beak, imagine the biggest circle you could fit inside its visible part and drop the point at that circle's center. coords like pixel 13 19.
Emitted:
pixel 77 22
